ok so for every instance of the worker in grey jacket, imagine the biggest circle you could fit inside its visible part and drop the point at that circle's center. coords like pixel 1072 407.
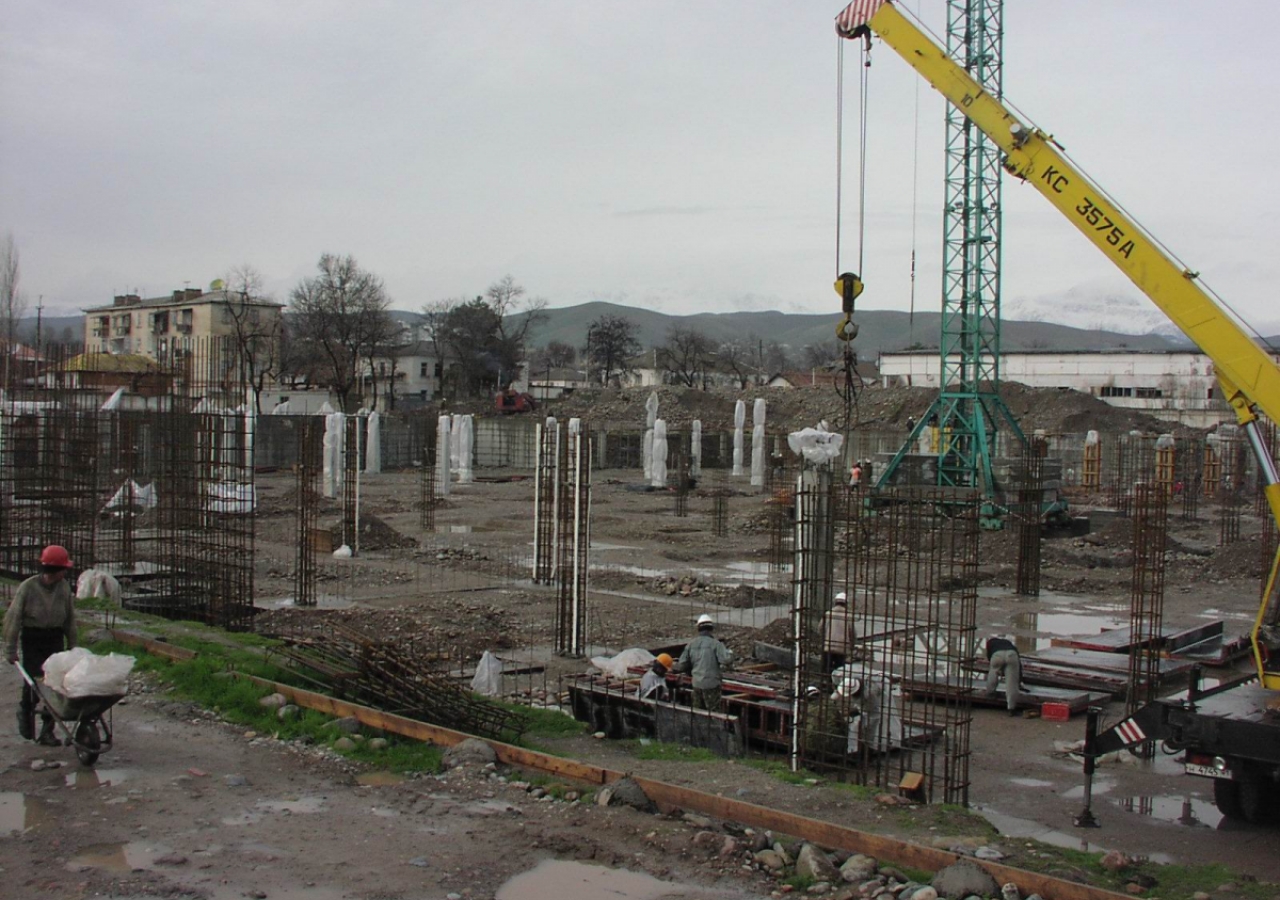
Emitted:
pixel 41 621
pixel 705 658
pixel 1003 659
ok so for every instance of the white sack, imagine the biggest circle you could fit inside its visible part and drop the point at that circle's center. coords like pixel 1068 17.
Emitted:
pixel 816 446
pixel 488 677
pixel 99 676
pixel 617 665
pixel 97 583
pixel 58 665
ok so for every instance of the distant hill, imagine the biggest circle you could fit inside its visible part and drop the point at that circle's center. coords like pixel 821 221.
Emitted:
pixel 879 330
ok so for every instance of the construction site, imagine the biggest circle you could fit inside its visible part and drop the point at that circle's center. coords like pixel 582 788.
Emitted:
pixel 978 640
pixel 429 566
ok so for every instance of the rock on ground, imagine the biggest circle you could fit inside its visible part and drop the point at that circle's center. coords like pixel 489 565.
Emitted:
pixel 470 751
pixel 963 878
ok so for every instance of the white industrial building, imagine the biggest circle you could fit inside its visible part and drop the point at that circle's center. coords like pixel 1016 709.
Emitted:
pixel 1177 385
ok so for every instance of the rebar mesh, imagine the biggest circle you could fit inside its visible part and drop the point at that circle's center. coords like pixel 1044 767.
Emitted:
pixel 1146 605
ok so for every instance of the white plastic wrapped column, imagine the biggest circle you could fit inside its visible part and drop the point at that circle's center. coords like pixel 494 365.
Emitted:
pixel 757 443
pixel 651 416
pixel 739 421
pixel 335 449
pixel 659 454
pixel 575 427
pixel 455 435
pixel 443 443
pixel 1091 439
pixel 695 449
pixel 466 441
pixel 373 444
pixel 250 426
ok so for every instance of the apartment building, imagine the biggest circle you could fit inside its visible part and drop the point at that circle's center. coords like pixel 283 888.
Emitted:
pixel 162 327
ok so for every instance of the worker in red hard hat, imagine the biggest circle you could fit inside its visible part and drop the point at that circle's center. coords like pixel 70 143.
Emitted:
pixel 42 621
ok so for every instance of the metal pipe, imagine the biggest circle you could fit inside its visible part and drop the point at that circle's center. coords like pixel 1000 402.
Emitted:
pixel 1086 818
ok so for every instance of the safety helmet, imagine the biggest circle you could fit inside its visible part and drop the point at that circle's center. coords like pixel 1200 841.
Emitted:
pixel 56 556
pixel 842 598
pixel 665 659
pixel 852 686
pixel 705 621
pixel 812 691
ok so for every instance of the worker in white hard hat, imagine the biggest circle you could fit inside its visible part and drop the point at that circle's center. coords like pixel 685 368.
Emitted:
pixel 864 701
pixel 705 659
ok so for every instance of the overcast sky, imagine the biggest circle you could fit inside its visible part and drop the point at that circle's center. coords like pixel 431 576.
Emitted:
pixel 674 155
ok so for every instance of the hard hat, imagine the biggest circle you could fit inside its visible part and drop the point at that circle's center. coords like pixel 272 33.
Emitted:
pixel 842 597
pixel 665 659
pixel 852 686
pixel 55 555
pixel 705 619
pixel 812 691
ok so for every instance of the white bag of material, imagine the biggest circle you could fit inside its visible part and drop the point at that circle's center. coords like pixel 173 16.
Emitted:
pixel 617 666
pixel 58 665
pixel 488 677
pixel 99 676
pixel 97 583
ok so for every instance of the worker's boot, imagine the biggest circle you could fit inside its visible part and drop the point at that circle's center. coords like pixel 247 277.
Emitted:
pixel 26 723
pixel 47 738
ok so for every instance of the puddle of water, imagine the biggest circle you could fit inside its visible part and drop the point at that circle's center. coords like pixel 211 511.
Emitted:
pixel 1031 782
pixel 1057 623
pixel 458 529
pixel 246 818
pixel 1189 811
pixel 379 779
pixel 599 545
pixel 119 859
pixel 18 812
pixel 323 601
pixel 1012 826
pixel 383 812
pixel 557 879
pixel 94 778
pixel 1100 786
pixel 301 805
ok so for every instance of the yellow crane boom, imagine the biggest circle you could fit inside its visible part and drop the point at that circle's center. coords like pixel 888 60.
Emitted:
pixel 1250 378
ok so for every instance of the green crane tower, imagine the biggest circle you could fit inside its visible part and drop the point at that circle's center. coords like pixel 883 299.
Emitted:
pixel 968 413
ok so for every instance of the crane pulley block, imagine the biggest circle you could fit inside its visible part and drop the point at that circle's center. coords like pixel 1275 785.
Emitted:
pixel 848 286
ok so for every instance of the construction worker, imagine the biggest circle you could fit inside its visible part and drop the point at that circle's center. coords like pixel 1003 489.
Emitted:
pixel 855 474
pixel 705 658
pixel 1003 659
pixel 42 620
pixel 654 683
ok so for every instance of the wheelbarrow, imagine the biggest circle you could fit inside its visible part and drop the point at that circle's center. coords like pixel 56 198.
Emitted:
pixel 80 719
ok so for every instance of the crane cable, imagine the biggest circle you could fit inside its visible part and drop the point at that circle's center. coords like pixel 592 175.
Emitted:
pixel 846 331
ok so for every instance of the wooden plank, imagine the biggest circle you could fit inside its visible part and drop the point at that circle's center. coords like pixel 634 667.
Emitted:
pixel 824 834
pixel 151 645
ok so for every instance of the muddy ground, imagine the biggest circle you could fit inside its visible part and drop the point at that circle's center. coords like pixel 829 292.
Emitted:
pixel 188 804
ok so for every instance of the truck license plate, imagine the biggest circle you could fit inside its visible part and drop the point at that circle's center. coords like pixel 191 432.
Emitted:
pixel 1209 771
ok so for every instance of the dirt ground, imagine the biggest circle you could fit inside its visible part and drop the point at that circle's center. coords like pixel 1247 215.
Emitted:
pixel 188 804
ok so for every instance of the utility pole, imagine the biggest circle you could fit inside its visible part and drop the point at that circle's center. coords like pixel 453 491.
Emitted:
pixel 35 363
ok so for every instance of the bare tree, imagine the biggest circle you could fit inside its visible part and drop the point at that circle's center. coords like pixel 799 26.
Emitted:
pixel 738 358
pixel 486 338
pixel 257 329
pixel 13 306
pixel 819 356
pixel 335 314
pixel 687 356
pixel 611 343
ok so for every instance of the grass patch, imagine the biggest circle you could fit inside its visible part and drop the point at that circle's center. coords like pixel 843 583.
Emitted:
pixel 547 723
pixel 206 681
pixel 780 770
pixel 671 752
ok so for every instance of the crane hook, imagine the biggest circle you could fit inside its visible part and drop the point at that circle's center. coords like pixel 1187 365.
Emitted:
pixel 848 286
